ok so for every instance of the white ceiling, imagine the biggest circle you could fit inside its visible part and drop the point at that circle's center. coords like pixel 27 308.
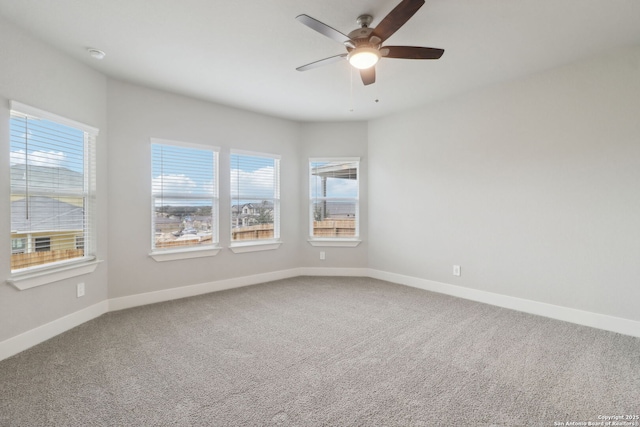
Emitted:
pixel 244 54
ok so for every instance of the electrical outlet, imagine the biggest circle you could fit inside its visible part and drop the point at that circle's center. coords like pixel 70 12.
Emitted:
pixel 456 270
pixel 80 290
pixel 322 255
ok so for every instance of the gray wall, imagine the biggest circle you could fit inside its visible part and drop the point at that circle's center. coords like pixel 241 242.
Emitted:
pixel 334 139
pixel 531 186
pixel 36 75
pixel 135 115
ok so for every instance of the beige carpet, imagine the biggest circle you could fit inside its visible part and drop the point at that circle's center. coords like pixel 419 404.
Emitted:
pixel 322 351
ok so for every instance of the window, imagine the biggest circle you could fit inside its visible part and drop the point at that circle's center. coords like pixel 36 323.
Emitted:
pixel 18 246
pixel 185 197
pixel 79 242
pixel 333 201
pixel 255 198
pixel 52 161
pixel 43 244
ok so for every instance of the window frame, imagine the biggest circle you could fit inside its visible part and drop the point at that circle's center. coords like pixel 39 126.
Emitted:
pixel 334 241
pixel 39 275
pixel 187 252
pixel 254 245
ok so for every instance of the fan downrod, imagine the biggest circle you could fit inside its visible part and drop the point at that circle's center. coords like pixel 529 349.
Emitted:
pixel 364 21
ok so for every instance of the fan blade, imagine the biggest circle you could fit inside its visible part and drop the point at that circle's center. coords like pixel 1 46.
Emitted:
pixel 397 18
pixel 321 62
pixel 324 29
pixel 411 52
pixel 368 75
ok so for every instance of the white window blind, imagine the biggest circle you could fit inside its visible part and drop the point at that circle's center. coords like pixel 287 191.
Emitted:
pixel 333 204
pixel 52 189
pixel 185 195
pixel 255 196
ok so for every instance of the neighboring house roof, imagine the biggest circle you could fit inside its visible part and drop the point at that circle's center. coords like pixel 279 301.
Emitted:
pixel 45 214
pixel 235 209
pixel 45 177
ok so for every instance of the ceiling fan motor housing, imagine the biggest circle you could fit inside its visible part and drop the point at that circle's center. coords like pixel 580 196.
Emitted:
pixel 362 36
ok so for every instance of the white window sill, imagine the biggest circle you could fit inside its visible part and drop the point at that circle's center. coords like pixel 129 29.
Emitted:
pixel 176 254
pixel 254 246
pixel 30 279
pixel 344 243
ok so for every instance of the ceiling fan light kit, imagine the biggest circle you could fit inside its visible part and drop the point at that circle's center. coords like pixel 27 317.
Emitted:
pixel 364 44
pixel 364 57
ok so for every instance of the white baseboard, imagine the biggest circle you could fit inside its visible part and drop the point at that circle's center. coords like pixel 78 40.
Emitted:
pixel 580 317
pixel 321 271
pixel 42 333
pixel 15 345
pixel 199 289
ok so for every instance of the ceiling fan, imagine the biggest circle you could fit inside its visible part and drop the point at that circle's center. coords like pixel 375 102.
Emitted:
pixel 364 45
